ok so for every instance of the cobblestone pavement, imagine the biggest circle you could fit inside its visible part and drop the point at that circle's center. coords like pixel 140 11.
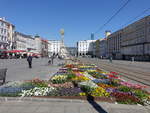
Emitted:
pixel 68 106
pixel 138 72
pixel 18 68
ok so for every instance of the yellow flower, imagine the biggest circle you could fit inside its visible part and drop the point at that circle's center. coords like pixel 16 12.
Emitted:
pixel 104 72
pixel 82 94
pixel 91 71
pixel 80 78
pixel 99 92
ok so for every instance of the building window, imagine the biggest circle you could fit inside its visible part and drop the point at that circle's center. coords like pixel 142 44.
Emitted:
pixel 1 30
pixel 2 38
pixel 4 31
pixel 2 24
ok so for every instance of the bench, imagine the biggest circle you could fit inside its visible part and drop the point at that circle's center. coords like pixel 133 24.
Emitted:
pixel 3 74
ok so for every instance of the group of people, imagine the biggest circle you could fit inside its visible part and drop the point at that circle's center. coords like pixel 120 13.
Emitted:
pixel 50 61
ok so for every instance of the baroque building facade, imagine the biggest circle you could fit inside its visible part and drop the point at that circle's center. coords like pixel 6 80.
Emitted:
pixel 6 35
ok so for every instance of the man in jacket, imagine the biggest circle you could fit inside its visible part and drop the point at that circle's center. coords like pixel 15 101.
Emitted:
pixel 29 59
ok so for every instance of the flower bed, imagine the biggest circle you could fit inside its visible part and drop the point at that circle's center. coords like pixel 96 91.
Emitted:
pixel 80 80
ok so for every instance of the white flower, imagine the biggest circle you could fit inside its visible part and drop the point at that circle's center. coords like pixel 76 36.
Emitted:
pixel 42 91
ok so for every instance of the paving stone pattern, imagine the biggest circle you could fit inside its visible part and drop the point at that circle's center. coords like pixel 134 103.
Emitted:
pixel 18 68
pixel 67 107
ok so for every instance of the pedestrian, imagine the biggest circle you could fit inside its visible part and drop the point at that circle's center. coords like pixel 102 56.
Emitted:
pixel 132 59
pixel 110 59
pixel 52 59
pixel 29 59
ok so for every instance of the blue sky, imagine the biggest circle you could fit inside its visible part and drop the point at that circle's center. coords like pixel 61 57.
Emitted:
pixel 79 18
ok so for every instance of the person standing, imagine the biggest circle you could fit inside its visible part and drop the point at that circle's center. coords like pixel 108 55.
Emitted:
pixel 29 59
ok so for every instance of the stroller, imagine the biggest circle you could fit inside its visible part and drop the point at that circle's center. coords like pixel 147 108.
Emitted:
pixel 49 61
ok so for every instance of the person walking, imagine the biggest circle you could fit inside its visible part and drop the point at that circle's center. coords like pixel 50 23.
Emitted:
pixel 29 59
pixel 110 59
pixel 132 59
pixel 52 59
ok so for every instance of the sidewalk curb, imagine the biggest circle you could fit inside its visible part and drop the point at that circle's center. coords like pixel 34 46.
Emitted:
pixel 6 99
pixel 106 105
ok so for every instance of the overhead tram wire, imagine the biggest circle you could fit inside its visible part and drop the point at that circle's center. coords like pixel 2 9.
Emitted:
pixel 112 17
pixel 136 17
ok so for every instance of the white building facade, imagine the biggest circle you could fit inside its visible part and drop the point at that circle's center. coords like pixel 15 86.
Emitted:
pixel 6 35
pixel 85 47
pixel 30 44
pixel 20 40
pixel 38 45
pixel 24 42
pixel 41 46
pixel 54 47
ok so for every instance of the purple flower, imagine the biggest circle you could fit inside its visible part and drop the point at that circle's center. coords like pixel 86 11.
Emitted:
pixel 69 91
pixel 110 90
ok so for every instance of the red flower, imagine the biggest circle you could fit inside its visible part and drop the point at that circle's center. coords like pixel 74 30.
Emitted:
pixel 114 73
pixel 112 76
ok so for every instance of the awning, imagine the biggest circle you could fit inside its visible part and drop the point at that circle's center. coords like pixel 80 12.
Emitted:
pixel 15 51
pixel 1 50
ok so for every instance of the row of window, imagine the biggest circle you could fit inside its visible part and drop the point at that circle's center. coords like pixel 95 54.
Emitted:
pixel 2 24
pixel 147 49
pixel 3 31
pixel 3 38
pixel 134 41
pixel 20 46
pixel 133 50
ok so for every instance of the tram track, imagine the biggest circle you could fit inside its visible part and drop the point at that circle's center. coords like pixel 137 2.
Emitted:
pixel 141 77
pixel 128 75
pixel 147 74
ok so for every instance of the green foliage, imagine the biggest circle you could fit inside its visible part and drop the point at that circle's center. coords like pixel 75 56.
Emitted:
pixel 42 84
pixel 27 84
pixel 114 82
pixel 125 89
pixel 35 84
pixel 58 81
pixel 69 69
pixel 70 76
pixel 86 88
pixel 141 94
